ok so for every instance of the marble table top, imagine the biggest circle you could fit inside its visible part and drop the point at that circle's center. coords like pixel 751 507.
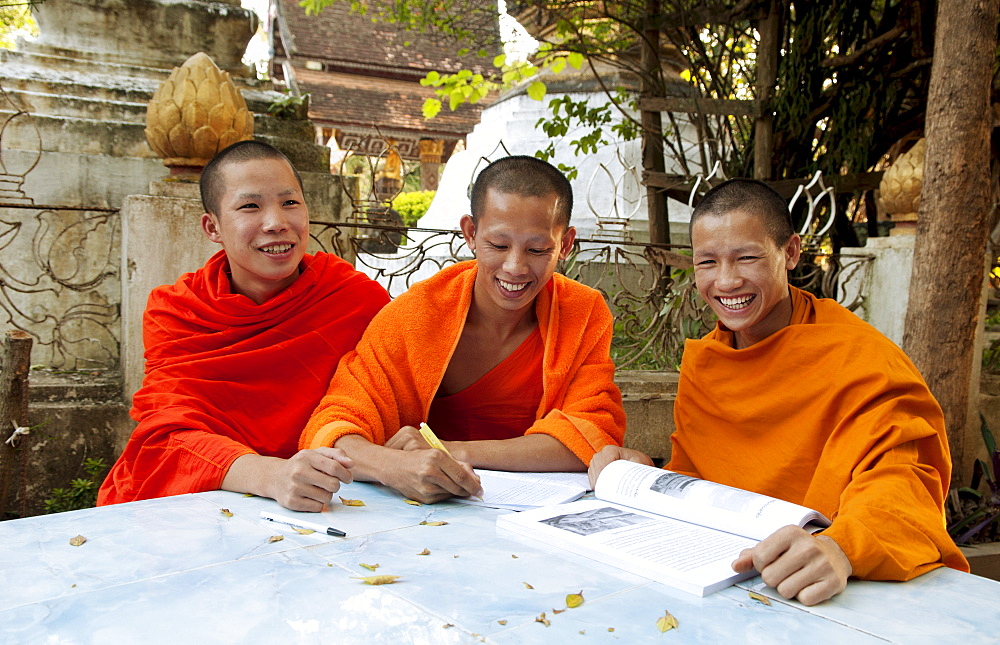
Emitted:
pixel 180 570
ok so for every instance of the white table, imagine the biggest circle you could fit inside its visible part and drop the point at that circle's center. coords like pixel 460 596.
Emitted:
pixel 178 570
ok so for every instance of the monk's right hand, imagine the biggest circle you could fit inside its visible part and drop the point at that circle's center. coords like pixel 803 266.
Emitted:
pixel 614 453
pixel 429 476
pixel 308 480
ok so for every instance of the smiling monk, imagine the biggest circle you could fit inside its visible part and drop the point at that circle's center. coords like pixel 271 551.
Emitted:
pixel 507 360
pixel 797 398
pixel 239 352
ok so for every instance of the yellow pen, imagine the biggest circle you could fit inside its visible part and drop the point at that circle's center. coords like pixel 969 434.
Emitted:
pixel 434 442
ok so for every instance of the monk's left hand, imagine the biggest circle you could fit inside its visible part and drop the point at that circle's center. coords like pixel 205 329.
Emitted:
pixel 408 438
pixel 309 478
pixel 798 564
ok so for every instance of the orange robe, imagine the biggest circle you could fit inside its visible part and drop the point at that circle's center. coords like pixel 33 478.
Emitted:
pixel 830 414
pixel 391 379
pixel 226 377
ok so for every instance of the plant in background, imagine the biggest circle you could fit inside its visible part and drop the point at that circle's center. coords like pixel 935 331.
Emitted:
pixel 82 491
pixel 412 206
pixel 290 106
pixel 975 514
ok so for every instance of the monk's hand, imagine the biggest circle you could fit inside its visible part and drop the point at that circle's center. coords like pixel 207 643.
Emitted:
pixel 408 438
pixel 614 453
pixel 798 564
pixel 429 476
pixel 308 480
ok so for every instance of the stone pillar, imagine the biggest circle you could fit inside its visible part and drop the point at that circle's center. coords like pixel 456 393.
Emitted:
pixel 883 282
pixel 431 151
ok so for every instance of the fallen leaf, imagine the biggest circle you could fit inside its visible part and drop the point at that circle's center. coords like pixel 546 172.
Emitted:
pixel 446 626
pixel 74 585
pixel 574 599
pixel 454 556
pixel 543 620
pixel 370 567
pixel 378 580
pixel 513 556
pixel 582 632
pixel 226 512
pixel 412 503
pixel 499 622
pixel 249 495
pixel 426 523
pixel 303 531
pixel 527 586
pixel 328 564
pixel 558 611
pixel 425 552
pixel 275 538
pixel 666 622
pixel 764 600
pixel 78 540
pixel 351 502
pixel 611 629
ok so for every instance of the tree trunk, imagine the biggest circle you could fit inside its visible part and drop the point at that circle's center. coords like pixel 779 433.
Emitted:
pixel 651 85
pixel 767 74
pixel 947 279
pixel 16 357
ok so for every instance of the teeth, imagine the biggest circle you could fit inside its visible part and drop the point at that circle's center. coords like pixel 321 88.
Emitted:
pixel 277 248
pixel 736 303
pixel 512 287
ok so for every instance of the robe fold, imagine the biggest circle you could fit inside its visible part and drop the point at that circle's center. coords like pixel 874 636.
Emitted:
pixel 830 414
pixel 226 377
pixel 390 380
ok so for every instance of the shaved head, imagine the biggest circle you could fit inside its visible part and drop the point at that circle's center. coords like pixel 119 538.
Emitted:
pixel 211 182
pixel 525 177
pixel 752 197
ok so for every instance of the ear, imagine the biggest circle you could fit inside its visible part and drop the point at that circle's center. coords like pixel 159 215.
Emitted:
pixel 792 251
pixel 566 245
pixel 468 231
pixel 210 226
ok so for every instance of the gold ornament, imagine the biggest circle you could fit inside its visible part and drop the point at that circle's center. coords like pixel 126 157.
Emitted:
pixel 899 190
pixel 196 113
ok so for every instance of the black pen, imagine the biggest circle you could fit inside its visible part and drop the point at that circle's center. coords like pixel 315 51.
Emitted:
pixel 294 523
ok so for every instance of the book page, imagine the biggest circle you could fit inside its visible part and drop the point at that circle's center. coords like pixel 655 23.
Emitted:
pixel 518 491
pixel 575 479
pixel 690 557
pixel 698 501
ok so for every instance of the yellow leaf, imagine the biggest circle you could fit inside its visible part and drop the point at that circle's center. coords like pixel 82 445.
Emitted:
pixel 226 512
pixel 543 620
pixel 351 502
pixel 249 495
pixel 527 586
pixel 425 552
pixel 666 622
pixel 370 567
pixel 303 531
pixel 501 622
pixel 558 611
pixel 275 538
pixel 378 580
pixel 412 503
pixel 454 556
pixel 446 626
pixel 582 632
pixel 78 540
pixel 426 523
pixel 513 556
pixel 611 629
pixel 537 90
pixel 759 598
pixel 574 599
pixel 686 75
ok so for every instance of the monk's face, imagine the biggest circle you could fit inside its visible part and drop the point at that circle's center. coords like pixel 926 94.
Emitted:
pixel 742 273
pixel 263 224
pixel 517 241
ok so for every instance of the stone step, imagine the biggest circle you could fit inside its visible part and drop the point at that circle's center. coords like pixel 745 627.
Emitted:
pixel 73 387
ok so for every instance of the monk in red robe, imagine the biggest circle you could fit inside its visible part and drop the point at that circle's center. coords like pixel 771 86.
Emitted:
pixel 239 352
pixel 508 361
pixel 797 398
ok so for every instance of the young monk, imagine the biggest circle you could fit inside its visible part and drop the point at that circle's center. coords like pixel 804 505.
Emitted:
pixel 797 398
pixel 507 361
pixel 239 352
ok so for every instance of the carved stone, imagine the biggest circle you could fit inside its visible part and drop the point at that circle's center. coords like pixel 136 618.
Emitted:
pixel 899 191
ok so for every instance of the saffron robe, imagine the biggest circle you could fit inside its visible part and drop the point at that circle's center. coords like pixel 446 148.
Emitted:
pixel 226 377
pixel 499 405
pixel 392 377
pixel 830 414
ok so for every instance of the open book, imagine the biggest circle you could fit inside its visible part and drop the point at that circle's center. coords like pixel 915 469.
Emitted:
pixel 674 529
pixel 520 491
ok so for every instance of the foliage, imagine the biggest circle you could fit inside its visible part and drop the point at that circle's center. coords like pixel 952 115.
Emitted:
pixel 16 19
pixel 289 106
pixel 975 517
pixel 412 206
pixel 82 491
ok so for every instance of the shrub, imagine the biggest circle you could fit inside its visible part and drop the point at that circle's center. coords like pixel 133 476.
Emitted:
pixel 412 206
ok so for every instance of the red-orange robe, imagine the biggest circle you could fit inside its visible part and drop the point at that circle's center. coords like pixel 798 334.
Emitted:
pixel 391 379
pixel 226 377
pixel 830 414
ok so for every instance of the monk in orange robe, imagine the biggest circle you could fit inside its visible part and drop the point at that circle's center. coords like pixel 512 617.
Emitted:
pixel 239 352
pixel 507 360
pixel 797 398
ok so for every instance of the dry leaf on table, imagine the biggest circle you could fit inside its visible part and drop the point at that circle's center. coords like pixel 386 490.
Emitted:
pixel 425 552
pixel 377 580
pixel 527 586
pixel 78 540
pixel 275 538
pixel 574 599
pixel 412 503
pixel 764 600
pixel 370 567
pixel 666 622
pixel 226 512
pixel 303 531
pixel 543 620
pixel 351 502
pixel 501 622
pixel 426 523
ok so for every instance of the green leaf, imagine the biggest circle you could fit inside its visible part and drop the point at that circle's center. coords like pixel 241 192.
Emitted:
pixel 500 60
pixel 575 60
pixel 558 64
pixel 431 108
pixel 455 99
pixel 537 90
